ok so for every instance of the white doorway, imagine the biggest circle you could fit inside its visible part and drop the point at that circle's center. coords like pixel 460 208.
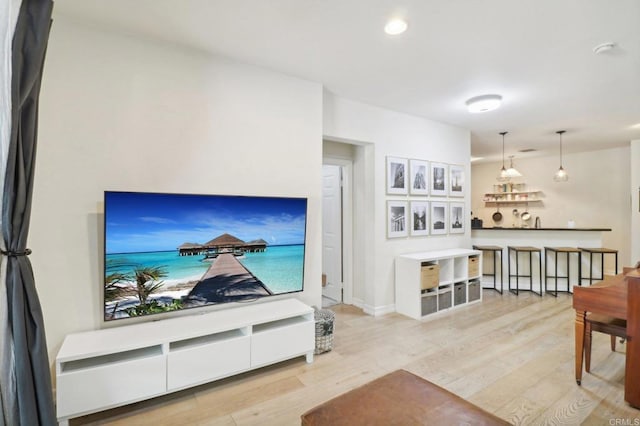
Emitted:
pixel 336 232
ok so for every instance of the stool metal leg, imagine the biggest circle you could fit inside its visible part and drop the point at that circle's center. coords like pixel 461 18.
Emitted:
pixel 540 271
pixel 579 269
pixel 555 277
pixel 501 271
pixel 517 272
pixel 546 273
pixel 568 272
pixel 509 250
pixel 494 270
pixel 601 267
pixel 531 272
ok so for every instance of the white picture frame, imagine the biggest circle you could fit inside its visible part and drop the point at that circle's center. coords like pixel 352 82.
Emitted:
pixel 457 183
pixel 457 219
pixel 439 218
pixel 438 179
pixel 419 177
pixel 397 219
pixel 397 176
pixel 419 222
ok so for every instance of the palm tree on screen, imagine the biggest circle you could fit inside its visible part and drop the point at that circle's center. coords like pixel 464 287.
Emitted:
pixel 148 281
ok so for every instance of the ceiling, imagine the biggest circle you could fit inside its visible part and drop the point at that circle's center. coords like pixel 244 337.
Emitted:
pixel 537 54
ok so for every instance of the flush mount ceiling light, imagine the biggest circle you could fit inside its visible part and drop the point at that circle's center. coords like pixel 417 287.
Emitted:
pixel 561 175
pixel 604 47
pixel 396 26
pixel 484 103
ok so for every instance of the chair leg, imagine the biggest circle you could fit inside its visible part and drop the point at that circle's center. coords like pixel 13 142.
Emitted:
pixel 587 348
pixel 613 343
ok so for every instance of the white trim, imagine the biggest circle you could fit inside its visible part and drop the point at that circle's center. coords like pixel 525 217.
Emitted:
pixel 377 311
pixel 358 303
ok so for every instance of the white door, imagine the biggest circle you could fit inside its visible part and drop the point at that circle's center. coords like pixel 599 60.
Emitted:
pixel 332 232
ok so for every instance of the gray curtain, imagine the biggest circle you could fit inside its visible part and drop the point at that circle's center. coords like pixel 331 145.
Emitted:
pixel 32 374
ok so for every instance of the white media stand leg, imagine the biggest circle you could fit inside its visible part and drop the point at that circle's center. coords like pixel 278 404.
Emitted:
pixel 103 369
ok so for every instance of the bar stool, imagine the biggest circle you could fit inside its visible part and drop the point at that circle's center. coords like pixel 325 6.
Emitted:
pixel 495 250
pixel 601 252
pixel 562 250
pixel 528 250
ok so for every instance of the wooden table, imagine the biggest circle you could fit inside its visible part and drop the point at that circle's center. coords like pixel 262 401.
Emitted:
pixel 619 297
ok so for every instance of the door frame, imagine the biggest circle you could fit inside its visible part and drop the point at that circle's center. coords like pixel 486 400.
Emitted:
pixel 347 225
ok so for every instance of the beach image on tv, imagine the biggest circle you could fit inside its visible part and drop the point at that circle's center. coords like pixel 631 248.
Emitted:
pixel 167 252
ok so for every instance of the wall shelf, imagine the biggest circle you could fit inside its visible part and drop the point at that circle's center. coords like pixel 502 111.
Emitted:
pixel 512 201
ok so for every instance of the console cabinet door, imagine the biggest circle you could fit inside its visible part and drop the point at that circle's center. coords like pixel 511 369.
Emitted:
pixel 85 390
pixel 282 342
pixel 204 363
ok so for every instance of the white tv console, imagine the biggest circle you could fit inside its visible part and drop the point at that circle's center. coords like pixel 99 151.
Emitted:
pixel 102 369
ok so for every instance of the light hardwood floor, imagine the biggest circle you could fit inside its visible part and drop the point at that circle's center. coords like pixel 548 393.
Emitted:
pixel 511 355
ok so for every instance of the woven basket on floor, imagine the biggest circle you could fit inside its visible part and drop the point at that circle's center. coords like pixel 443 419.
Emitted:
pixel 324 330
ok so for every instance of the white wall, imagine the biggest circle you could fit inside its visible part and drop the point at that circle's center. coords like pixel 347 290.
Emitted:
pixel 385 133
pixel 595 196
pixel 635 201
pixel 120 113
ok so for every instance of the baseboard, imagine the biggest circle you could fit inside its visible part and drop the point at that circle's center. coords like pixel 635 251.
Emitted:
pixel 373 310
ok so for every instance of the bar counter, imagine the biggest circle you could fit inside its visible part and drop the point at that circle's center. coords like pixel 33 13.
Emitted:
pixel 541 238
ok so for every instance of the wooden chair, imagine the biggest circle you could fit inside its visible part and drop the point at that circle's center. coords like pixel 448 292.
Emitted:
pixel 615 327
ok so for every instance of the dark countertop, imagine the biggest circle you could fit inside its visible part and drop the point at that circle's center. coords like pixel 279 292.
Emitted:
pixel 498 228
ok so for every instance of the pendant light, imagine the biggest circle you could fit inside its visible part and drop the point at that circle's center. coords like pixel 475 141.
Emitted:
pixel 511 171
pixel 561 175
pixel 502 177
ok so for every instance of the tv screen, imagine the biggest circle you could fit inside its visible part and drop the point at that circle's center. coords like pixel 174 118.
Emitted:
pixel 169 252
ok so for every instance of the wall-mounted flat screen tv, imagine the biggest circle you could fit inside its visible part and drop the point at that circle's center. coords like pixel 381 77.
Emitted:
pixel 169 252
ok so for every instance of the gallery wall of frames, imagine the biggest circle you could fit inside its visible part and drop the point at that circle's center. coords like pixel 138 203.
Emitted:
pixel 424 198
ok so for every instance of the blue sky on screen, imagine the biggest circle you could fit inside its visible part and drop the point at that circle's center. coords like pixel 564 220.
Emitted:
pixel 141 222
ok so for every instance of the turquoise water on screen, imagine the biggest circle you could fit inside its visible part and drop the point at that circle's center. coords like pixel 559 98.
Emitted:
pixel 280 268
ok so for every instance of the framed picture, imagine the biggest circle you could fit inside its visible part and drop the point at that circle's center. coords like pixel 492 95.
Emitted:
pixel 419 177
pixel 397 175
pixel 397 219
pixel 438 218
pixel 456 181
pixel 456 218
pixel 439 179
pixel 419 218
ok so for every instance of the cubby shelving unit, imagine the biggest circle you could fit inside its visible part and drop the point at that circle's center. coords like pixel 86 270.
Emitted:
pixel 459 281
pixel 102 369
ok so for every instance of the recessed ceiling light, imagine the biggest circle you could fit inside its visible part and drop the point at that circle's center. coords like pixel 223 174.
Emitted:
pixel 484 103
pixel 395 26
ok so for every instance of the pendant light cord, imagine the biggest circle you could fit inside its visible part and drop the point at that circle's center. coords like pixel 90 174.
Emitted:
pixel 503 133
pixel 560 132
